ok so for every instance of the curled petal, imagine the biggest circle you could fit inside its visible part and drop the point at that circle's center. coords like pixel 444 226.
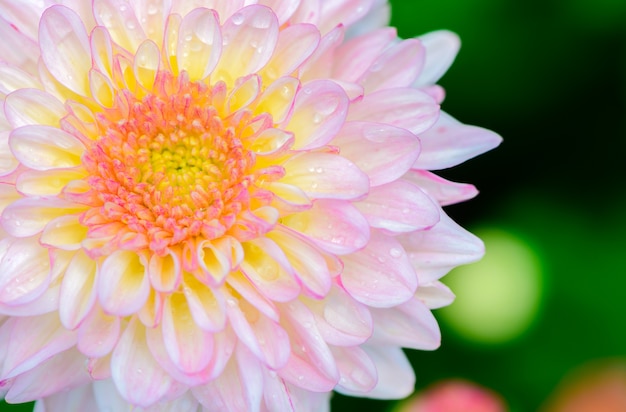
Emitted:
pixel 78 293
pixel 442 190
pixel 355 55
pixel 123 283
pixel 199 43
pixel 435 295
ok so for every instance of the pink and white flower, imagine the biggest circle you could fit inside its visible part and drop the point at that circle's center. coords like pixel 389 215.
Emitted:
pixel 221 205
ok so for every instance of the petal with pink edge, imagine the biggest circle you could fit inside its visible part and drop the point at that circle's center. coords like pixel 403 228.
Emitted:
pixel 205 304
pixel 355 55
pixel 16 48
pixel 442 190
pixel 311 365
pixel 77 400
pixel 396 379
pixel 441 49
pixel 406 108
pixel 450 142
pixel 357 371
pixel 380 275
pixel 249 38
pixel 45 147
pixel 306 260
pixel 295 44
pixel 335 226
pixel 24 270
pixel 121 22
pixel 188 346
pixel 398 66
pixel 8 162
pixel 267 268
pixel 199 43
pixel 68 370
pixel 33 106
pixel 98 333
pixel 123 283
pixel 342 12
pixel 138 377
pixel 78 293
pixel 435 295
pixel 32 341
pixel 382 151
pixel 434 252
pixel 238 388
pixel 341 320
pixel 319 112
pixel 326 176
pixel 65 49
pixel 30 215
pixel 399 207
pixel 409 325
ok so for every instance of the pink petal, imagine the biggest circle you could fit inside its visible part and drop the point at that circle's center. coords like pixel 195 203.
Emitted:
pixel 33 106
pixel 335 226
pixel 406 108
pixel 45 147
pixel 263 337
pixel 68 370
pixel 199 43
pixel 206 305
pixel 449 143
pixel 123 284
pixel 306 260
pixel 8 162
pixel 250 36
pixel 238 388
pixel 28 216
pixel 98 333
pixel 295 44
pixel 283 9
pixel 267 268
pixel 252 295
pixel 320 64
pixel 326 176
pixel 121 22
pixel 435 295
pixel 382 151
pixel 165 272
pixel 380 275
pixel 65 49
pixel 442 190
pixel 17 48
pixel 189 347
pixel 341 320
pixel 441 49
pixel 435 251
pixel 77 400
pixel 280 395
pixel 357 371
pixel 311 365
pixel 24 270
pixel 32 340
pixel 409 325
pixel 308 11
pixel 398 66
pixel 137 376
pixel 354 56
pixel 342 12
pixel 399 206
pixel 78 293
pixel 319 112
pixel 108 397
pixel 396 379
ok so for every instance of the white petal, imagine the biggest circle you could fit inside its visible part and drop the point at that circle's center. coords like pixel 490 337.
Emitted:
pixel 441 49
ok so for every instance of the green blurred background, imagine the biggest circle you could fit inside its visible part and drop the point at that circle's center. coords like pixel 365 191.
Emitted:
pixel 550 77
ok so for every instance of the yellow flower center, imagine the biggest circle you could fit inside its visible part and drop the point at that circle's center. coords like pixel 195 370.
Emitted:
pixel 173 165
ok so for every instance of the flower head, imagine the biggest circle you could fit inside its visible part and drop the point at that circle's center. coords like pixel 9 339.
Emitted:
pixel 221 205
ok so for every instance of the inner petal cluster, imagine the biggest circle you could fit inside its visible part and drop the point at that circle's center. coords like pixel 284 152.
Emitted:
pixel 169 166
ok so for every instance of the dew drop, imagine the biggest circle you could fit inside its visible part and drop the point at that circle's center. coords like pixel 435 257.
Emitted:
pixel 237 19
pixel 406 211
pixel 130 25
pixel 317 118
pixel 395 252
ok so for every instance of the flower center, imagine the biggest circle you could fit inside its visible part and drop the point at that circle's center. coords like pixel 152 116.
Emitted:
pixel 169 166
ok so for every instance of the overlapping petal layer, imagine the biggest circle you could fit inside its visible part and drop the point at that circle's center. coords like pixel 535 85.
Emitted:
pixel 212 205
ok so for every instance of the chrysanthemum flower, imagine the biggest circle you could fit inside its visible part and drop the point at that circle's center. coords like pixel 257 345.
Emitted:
pixel 221 206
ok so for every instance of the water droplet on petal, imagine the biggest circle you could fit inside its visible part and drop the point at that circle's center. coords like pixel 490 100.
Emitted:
pixel 395 252
pixel 237 19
